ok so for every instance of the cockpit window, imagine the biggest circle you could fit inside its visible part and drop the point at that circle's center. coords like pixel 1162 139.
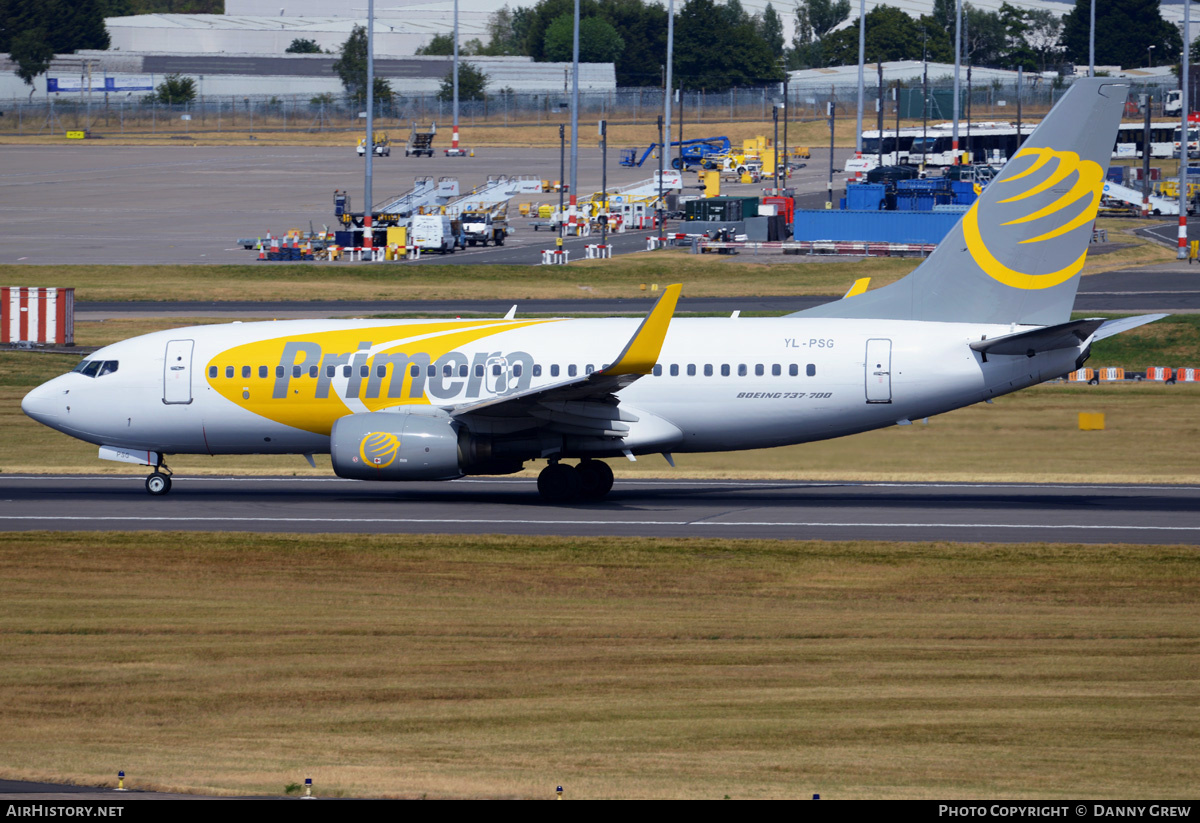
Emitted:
pixel 96 368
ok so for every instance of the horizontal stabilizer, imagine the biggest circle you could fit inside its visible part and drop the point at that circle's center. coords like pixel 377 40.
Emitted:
pixel 1119 325
pixel 1047 338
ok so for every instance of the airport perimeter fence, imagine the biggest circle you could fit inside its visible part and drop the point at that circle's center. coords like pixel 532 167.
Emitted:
pixel 128 114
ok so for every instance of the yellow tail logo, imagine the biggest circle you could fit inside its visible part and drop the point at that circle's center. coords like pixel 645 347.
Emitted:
pixel 1087 187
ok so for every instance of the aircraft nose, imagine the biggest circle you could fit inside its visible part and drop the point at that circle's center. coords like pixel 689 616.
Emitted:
pixel 39 404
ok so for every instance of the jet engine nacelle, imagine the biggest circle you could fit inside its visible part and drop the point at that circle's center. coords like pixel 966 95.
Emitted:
pixel 395 446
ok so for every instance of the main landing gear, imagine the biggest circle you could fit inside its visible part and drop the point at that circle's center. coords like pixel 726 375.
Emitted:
pixel 561 483
pixel 159 483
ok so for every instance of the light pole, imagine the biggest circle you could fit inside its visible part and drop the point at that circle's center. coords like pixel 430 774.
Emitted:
pixel 1184 143
pixel 1149 57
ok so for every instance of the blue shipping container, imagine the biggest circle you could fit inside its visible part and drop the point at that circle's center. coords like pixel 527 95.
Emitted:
pixel 865 196
pixel 874 226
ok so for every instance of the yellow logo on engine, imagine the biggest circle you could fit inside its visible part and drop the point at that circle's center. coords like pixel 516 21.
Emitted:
pixel 379 449
pixel 1086 187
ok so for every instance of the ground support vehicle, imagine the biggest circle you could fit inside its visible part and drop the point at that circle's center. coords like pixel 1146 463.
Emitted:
pixel 482 227
pixel 435 232
pixel 383 146
pixel 692 152
pixel 420 142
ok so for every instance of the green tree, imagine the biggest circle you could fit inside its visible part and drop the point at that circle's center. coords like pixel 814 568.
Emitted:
pixel 891 35
pixel 712 55
pixel 32 54
pixel 66 25
pixel 472 84
pixel 440 44
pixel 814 20
pixel 985 39
pixel 175 89
pixel 303 46
pixel 503 37
pixel 351 68
pixel 598 40
pixel 643 29
pixel 1125 29
pixel 770 29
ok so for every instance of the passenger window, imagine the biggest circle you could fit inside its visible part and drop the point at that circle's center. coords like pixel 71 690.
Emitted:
pixel 212 370
pixel 496 370
pixel 462 370
pixel 742 372
pixel 479 370
pixel 657 370
pixel 279 371
pixel 228 371
pixel 347 371
pixel 431 371
pixel 554 370
pixel 776 370
pixel 537 369
pixel 691 369
pixel 414 370
pixel 262 371
pixel 724 369
pixel 759 371
pixel 447 370
pixel 589 368
pixel 108 367
pixel 571 370
pixel 381 371
pixel 295 371
pixel 330 371
pixel 811 370
pixel 708 371
pixel 313 371
pixel 516 370
pixel 793 370
pixel 364 371
pixel 245 371
pixel 674 369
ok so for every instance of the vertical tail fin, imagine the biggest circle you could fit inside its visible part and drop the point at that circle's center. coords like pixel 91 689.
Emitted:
pixel 1015 257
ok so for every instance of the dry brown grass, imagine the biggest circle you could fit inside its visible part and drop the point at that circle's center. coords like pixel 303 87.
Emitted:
pixel 501 666
pixel 704 275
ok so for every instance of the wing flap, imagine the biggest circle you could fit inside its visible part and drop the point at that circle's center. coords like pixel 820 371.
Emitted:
pixel 1046 338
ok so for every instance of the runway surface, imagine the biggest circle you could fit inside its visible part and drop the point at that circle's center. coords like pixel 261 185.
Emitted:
pixel 1060 513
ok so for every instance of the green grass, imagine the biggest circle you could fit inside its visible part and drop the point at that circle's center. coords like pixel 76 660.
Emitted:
pixel 504 666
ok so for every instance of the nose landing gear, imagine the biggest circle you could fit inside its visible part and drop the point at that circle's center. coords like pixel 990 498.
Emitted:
pixel 561 483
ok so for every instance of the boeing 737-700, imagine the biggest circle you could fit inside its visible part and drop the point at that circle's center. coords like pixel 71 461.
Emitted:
pixel 987 313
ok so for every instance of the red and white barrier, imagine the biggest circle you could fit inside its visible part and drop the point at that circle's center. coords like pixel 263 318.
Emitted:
pixel 1187 375
pixel 37 315
pixel 1081 376
pixel 596 250
pixel 652 242
pixel 1111 373
pixel 555 257
pixel 1158 373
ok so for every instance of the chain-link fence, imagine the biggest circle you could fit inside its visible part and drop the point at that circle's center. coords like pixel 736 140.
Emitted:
pixel 126 114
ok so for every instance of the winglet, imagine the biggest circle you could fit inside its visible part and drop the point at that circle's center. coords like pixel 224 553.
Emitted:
pixel 641 352
pixel 860 286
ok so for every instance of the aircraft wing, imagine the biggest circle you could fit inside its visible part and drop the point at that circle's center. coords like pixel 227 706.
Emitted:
pixel 1121 324
pixel 585 405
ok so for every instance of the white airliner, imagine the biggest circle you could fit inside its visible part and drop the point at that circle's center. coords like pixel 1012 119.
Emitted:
pixel 986 314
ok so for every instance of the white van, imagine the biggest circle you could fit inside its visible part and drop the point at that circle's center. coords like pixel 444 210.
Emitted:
pixel 434 232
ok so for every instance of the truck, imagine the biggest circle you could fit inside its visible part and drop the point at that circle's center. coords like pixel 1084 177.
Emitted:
pixel 1173 103
pixel 485 226
pixel 692 152
pixel 435 232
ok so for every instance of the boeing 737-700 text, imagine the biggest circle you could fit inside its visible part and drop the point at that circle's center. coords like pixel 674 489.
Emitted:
pixel 986 314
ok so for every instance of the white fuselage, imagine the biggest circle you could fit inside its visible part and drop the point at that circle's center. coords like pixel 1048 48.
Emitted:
pixel 721 384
